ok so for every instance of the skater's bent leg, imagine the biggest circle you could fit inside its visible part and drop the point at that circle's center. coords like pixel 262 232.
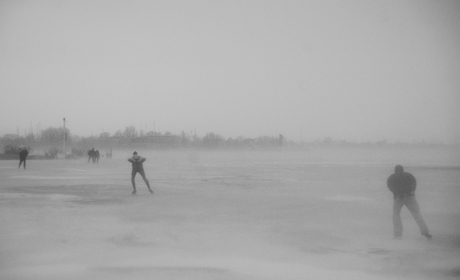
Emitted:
pixel 146 181
pixel 148 185
pixel 414 208
pixel 397 223
pixel 133 175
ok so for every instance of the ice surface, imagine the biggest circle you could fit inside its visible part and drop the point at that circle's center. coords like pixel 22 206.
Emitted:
pixel 228 215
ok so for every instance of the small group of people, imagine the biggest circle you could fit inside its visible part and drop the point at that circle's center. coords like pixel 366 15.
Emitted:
pixel 94 155
pixel 402 184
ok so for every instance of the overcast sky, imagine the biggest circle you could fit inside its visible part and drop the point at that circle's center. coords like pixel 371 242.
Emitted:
pixel 351 70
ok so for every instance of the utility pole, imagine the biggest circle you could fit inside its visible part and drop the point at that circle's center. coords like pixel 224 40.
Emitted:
pixel 65 151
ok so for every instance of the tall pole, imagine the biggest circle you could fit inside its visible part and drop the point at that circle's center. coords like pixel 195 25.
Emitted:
pixel 65 151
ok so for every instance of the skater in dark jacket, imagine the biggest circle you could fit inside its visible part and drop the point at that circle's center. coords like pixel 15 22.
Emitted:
pixel 402 185
pixel 22 157
pixel 137 163
pixel 91 155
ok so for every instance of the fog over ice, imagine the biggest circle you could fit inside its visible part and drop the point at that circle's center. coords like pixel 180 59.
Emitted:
pixel 227 215
pixel 309 70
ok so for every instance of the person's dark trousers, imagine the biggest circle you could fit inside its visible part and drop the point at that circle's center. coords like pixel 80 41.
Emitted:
pixel 411 204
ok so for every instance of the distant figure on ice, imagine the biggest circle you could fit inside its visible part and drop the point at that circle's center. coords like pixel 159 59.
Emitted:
pixel 92 155
pixel 97 156
pixel 22 157
pixel 137 163
pixel 402 185
pixel 108 154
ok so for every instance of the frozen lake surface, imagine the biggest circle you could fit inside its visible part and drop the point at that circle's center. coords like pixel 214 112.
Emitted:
pixel 229 215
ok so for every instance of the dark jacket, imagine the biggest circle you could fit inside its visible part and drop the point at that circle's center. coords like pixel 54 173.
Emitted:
pixel 137 162
pixel 402 184
pixel 23 154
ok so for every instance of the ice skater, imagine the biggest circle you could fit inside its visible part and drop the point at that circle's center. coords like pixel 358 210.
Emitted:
pixel 137 163
pixel 91 155
pixel 22 157
pixel 402 185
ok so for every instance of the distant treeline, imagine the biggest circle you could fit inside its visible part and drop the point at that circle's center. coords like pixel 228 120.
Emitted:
pixel 51 141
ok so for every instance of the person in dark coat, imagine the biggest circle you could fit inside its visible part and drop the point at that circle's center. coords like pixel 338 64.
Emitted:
pixel 402 185
pixel 91 155
pixel 22 157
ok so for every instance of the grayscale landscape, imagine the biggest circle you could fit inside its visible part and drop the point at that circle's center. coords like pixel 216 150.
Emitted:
pixel 280 214
pixel 270 128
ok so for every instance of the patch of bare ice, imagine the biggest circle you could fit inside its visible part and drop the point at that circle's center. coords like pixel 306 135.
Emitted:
pixel 35 177
pixel 347 198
